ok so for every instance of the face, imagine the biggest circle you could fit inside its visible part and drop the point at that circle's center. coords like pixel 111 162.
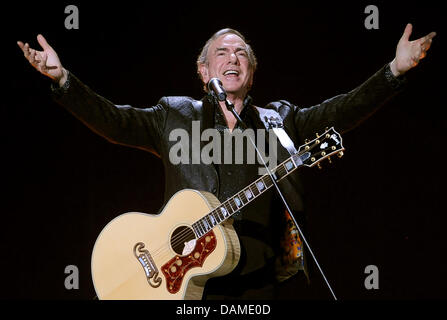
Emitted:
pixel 228 61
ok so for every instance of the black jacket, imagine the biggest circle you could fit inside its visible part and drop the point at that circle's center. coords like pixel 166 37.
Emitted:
pixel 149 128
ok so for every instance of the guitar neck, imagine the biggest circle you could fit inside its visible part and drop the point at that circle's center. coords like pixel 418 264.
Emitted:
pixel 235 203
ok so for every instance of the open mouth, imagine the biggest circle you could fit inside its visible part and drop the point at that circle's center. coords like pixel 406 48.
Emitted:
pixel 231 73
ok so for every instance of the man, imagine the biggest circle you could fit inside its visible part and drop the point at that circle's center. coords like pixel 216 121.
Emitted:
pixel 228 57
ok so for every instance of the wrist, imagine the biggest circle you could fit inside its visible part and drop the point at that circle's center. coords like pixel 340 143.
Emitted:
pixel 396 82
pixel 63 79
pixel 394 69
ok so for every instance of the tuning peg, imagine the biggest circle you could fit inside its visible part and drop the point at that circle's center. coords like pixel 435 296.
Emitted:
pixel 317 135
pixel 306 140
pixel 329 159
pixel 319 165
pixel 340 154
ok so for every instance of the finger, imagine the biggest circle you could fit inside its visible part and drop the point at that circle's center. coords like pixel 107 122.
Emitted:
pixel 26 50
pixel 427 38
pixel 426 45
pixel 38 57
pixel 43 61
pixel 23 47
pixel 32 56
pixel 43 42
pixel 431 35
pixel 407 32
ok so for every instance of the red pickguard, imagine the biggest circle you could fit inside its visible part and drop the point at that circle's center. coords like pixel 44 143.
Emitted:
pixel 176 268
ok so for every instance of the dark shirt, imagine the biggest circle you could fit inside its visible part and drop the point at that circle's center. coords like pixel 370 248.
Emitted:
pixel 252 223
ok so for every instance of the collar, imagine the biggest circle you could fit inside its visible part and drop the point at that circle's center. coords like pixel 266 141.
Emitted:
pixel 219 120
pixel 213 100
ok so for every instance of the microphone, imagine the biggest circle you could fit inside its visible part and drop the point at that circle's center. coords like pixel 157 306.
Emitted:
pixel 215 85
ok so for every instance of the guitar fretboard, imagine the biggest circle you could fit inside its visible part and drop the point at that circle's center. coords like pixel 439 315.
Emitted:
pixel 247 195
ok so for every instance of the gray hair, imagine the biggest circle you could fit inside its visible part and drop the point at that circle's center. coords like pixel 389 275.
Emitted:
pixel 203 56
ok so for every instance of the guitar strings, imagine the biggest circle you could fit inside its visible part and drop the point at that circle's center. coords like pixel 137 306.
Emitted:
pixel 182 236
pixel 299 230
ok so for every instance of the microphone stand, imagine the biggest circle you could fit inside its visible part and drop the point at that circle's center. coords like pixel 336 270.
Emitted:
pixel 231 108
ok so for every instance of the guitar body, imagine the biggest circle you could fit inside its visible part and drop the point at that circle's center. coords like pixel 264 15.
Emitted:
pixel 141 256
pixel 170 256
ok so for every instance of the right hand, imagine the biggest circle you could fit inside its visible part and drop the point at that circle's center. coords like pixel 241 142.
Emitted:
pixel 46 62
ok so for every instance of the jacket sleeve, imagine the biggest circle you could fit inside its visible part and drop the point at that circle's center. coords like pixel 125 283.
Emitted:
pixel 345 111
pixel 121 124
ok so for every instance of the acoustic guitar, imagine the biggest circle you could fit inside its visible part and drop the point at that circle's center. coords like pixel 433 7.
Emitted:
pixel 171 255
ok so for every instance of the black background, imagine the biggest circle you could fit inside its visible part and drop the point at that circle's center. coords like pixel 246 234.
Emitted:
pixel 382 204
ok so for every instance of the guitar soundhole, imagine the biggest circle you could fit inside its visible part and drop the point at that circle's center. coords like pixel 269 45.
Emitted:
pixel 181 238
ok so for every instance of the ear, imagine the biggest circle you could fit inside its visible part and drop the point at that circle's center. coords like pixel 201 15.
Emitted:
pixel 203 69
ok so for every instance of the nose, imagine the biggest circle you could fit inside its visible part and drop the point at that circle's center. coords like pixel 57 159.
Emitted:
pixel 234 59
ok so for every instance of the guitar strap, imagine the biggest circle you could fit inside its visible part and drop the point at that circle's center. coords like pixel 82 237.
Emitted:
pixel 291 258
pixel 273 121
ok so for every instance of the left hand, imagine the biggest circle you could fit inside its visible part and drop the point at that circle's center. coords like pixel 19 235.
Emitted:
pixel 409 53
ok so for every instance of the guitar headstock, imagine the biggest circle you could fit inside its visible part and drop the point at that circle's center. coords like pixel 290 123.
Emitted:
pixel 322 147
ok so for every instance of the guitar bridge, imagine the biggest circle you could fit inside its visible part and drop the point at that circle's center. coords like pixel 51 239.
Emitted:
pixel 149 267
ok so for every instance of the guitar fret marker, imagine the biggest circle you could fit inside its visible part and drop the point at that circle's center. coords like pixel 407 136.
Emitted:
pixel 248 194
pixel 208 221
pixel 254 190
pixel 221 218
pixel 224 212
pixel 237 201
pixel 233 205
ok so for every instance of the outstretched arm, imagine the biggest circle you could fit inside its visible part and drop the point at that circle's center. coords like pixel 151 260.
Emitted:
pixel 346 111
pixel 122 124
